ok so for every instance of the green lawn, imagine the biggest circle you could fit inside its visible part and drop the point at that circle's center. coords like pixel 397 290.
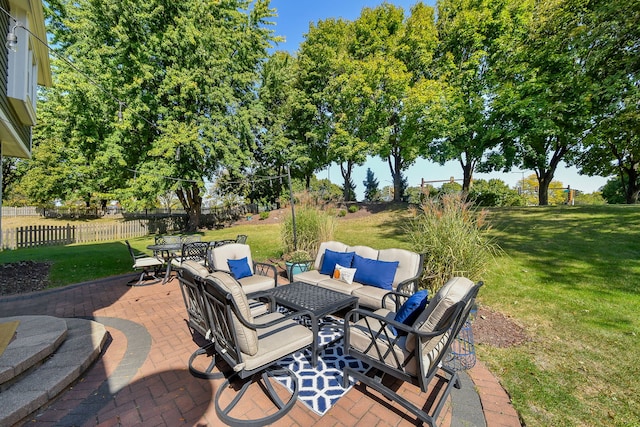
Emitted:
pixel 568 275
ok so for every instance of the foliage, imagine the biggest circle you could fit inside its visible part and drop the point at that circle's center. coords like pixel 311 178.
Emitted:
pixel 454 238
pixel 342 213
pixel 171 95
pixel 312 227
pixel 264 215
pixel 613 192
pixel 353 208
pixel 297 256
pixel 494 193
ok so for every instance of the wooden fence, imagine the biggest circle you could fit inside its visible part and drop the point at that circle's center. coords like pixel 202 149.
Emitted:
pixel 48 235
pixel 13 211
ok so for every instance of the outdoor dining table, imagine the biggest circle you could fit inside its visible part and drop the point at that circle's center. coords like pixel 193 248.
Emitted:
pixel 319 301
pixel 168 251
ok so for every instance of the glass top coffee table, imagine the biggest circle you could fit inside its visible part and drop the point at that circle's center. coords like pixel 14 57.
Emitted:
pixel 319 301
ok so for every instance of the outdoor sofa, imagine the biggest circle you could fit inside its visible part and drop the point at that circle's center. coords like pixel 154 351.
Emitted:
pixel 370 274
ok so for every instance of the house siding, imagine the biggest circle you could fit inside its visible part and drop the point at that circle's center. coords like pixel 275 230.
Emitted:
pixel 23 131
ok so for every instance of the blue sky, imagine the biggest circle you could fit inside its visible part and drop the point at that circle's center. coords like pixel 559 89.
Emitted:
pixel 292 23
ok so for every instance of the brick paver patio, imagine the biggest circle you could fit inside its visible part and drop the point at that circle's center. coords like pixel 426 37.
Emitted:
pixel 142 378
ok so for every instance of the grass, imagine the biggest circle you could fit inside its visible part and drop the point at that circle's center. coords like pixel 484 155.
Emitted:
pixel 568 275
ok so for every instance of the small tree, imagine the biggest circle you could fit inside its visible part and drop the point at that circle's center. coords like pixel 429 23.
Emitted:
pixel 371 191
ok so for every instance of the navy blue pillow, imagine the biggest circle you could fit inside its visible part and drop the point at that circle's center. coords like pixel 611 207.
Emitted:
pixel 411 309
pixel 239 268
pixel 331 258
pixel 373 272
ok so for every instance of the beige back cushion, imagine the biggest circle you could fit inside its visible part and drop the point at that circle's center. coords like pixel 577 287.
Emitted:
pixel 333 246
pixel 221 254
pixel 194 268
pixel 408 263
pixel 364 251
pixel 247 337
pixel 438 310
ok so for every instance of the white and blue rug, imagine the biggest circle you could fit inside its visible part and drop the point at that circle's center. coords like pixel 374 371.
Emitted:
pixel 321 388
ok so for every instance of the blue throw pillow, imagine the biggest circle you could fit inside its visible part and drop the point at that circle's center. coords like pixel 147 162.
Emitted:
pixel 411 309
pixel 373 272
pixel 239 268
pixel 331 258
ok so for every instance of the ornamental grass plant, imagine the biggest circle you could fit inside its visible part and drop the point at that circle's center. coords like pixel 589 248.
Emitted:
pixel 453 235
pixel 313 226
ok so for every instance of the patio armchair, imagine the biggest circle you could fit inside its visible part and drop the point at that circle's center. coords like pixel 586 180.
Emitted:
pixel 149 266
pixel 411 350
pixel 235 258
pixel 251 346
pixel 192 251
pixel 191 279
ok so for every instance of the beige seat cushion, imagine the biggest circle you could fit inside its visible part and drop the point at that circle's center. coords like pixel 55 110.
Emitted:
pixel 339 285
pixel 371 297
pixel 219 256
pixel 256 283
pixel 360 339
pixel 275 342
pixel 247 337
pixel 312 277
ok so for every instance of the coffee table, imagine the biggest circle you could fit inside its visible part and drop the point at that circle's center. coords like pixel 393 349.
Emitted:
pixel 319 301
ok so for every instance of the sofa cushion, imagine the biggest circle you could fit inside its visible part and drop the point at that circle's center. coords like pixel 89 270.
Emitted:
pixel 409 263
pixel 219 256
pixel 344 274
pixel 339 286
pixel 332 245
pixel 411 309
pixel 331 258
pixel 256 282
pixel 373 272
pixel 312 277
pixel 439 309
pixel 364 251
pixel 372 297
pixel 239 268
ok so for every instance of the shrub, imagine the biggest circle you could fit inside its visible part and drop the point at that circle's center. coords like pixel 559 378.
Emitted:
pixel 452 235
pixel 353 208
pixel 264 215
pixel 342 212
pixel 313 227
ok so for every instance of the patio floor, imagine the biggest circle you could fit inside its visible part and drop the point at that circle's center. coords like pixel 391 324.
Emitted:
pixel 142 378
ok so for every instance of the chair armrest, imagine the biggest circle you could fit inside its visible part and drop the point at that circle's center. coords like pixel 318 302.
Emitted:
pixel 303 265
pixel 264 269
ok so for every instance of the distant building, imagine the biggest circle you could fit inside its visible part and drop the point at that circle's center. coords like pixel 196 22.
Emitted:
pixel 25 61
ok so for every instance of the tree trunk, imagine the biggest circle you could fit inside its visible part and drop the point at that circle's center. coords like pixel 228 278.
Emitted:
pixel 396 174
pixel 543 188
pixel 632 189
pixel 191 201
pixel 346 174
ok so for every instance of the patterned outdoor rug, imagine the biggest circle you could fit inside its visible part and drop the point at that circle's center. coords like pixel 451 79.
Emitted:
pixel 321 388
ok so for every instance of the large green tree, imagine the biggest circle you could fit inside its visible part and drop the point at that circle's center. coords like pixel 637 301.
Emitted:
pixel 543 99
pixel 155 96
pixel 610 53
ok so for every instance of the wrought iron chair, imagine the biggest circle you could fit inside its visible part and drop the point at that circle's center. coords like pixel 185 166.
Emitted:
pixel 192 251
pixel 250 346
pixel 263 276
pixel 241 238
pixel 149 265
pixel 191 278
pixel 411 353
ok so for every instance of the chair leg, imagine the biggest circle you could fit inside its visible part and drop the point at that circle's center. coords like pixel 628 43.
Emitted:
pixel 266 383
pixel 376 384
pixel 207 374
